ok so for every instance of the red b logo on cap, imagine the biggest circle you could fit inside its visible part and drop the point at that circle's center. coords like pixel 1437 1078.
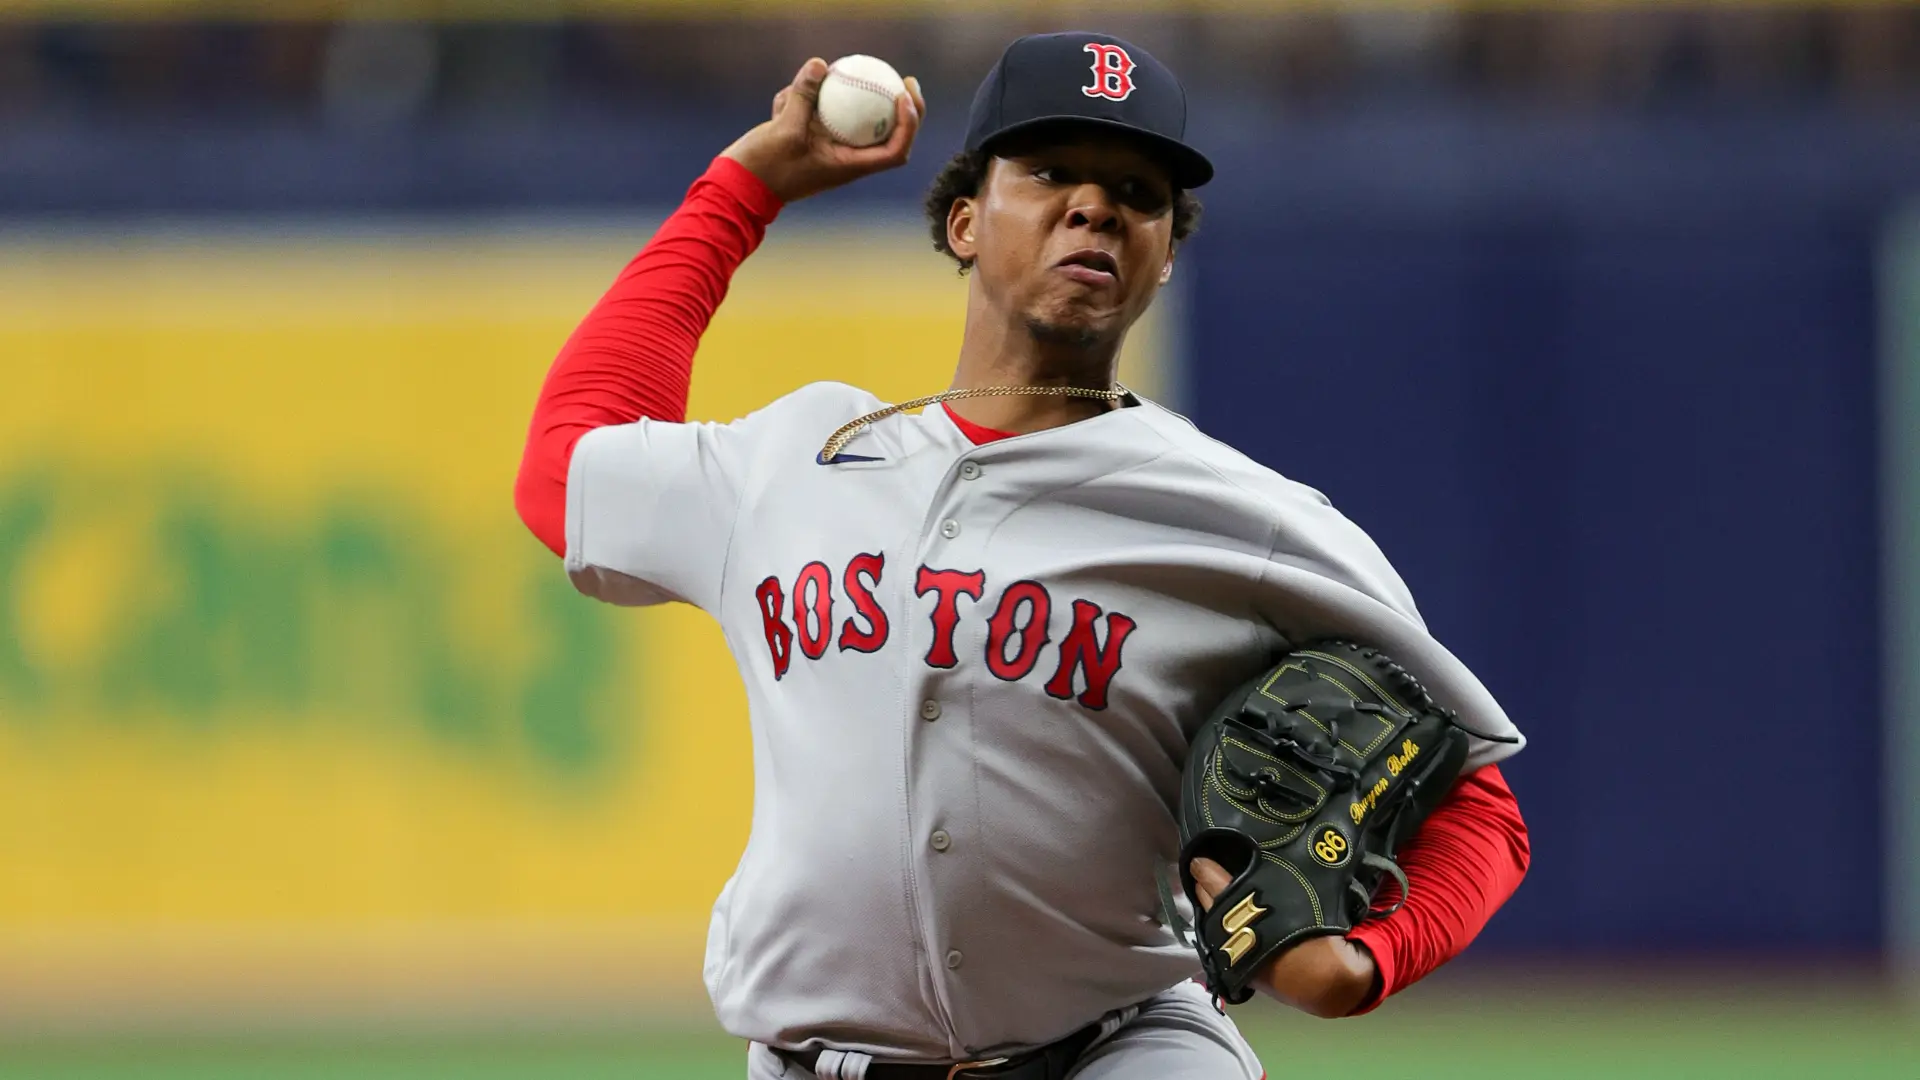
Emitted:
pixel 1112 72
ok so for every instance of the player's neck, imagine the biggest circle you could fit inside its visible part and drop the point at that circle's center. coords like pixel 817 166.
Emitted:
pixel 993 354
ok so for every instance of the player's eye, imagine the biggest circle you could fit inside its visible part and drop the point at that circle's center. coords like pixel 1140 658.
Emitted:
pixel 1142 195
pixel 1052 174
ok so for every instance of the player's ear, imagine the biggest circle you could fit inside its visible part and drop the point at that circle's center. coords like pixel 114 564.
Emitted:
pixel 960 222
pixel 1166 269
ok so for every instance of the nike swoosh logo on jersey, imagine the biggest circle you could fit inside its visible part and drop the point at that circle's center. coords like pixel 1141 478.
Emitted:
pixel 842 459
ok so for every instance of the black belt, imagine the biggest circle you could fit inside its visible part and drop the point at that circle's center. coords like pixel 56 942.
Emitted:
pixel 1050 1062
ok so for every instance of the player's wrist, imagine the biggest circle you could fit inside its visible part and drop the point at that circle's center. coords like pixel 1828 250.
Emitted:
pixel 1366 980
pixel 1327 977
pixel 1345 978
pixel 753 193
pixel 1380 972
pixel 764 168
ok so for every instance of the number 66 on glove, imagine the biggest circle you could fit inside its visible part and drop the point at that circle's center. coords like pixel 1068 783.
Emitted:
pixel 1302 784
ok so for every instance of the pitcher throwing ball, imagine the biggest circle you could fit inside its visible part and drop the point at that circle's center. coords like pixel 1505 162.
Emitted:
pixel 978 640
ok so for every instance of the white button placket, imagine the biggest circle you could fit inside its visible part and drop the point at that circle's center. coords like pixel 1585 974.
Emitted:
pixel 944 768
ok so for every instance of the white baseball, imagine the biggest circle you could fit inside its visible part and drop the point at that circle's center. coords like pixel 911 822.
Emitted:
pixel 857 97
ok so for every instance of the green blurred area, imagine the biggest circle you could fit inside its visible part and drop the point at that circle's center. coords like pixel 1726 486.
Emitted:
pixel 1821 1031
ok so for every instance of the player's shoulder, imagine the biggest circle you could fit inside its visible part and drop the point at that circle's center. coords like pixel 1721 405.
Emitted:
pixel 1210 460
pixel 806 414
pixel 1301 522
pixel 820 400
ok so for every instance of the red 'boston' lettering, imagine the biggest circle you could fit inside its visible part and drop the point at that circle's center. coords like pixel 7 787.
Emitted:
pixel 1082 650
pixel 1033 633
pixel 946 611
pixel 779 638
pixel 813 608
pixel 875 635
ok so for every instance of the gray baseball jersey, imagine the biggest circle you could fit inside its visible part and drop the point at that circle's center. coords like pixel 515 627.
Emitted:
pixel 973 672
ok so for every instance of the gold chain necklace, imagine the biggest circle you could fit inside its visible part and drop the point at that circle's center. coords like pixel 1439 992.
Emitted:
pixel 838 441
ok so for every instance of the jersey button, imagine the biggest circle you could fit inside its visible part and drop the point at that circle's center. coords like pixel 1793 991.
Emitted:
pixel 969 471
pixel 949 528
pixel 929 710
pixel 953 960
pixel 941 841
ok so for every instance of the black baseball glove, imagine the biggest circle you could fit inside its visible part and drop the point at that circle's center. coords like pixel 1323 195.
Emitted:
pixel 1302 785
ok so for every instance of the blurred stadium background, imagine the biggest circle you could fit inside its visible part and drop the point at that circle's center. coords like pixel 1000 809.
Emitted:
pixel 1604 318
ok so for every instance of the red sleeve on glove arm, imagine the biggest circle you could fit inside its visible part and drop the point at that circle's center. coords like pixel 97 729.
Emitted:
pixel 632 357
pixel 1463 863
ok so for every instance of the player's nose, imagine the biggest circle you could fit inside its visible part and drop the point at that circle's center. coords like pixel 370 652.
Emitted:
pixel 1092 208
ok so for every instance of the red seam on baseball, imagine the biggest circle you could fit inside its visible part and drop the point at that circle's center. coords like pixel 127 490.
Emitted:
pixel 857 83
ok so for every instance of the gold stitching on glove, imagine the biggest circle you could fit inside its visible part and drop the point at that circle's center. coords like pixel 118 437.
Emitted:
pixel 1387 727
pixel 1239 798
pixel 1313 898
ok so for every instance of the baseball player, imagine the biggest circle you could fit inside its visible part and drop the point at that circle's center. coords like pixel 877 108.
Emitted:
pixel 978 639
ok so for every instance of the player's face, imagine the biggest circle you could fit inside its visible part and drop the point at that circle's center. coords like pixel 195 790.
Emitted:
pixel 1073 237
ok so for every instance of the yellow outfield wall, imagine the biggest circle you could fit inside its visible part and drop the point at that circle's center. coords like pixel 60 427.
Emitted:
pixel 294 714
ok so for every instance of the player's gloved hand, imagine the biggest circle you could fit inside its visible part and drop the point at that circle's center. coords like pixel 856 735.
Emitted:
pixel 795 157
pixel 1326 976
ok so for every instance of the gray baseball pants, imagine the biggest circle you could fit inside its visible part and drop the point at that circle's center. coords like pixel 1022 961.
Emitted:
pixel 1178 1035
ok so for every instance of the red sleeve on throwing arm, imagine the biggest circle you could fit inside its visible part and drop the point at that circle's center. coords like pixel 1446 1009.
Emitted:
pixel 632 357
pixel 1467 858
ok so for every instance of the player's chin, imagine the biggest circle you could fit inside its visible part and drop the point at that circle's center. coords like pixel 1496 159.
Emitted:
pixel 1081 333
pixel 1075 324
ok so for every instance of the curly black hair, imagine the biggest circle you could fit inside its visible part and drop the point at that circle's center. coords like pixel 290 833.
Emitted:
pixel 961 177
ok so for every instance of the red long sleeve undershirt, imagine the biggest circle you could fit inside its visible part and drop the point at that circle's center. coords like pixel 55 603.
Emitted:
pixel 1465 861
pixel 632 358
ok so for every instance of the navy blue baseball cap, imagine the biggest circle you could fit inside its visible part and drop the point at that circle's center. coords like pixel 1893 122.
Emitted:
pixel 1096 80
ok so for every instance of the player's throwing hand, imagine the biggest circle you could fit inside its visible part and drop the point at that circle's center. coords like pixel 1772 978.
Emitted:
pixel 795 156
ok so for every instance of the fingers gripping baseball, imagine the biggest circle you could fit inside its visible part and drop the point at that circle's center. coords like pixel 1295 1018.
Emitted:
pixel 796 157
pixel 795 115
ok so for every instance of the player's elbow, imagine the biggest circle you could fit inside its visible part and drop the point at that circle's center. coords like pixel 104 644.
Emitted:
pixel 1519 844
pixel 1520 850
pixel 1498 810
pixel 541 502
